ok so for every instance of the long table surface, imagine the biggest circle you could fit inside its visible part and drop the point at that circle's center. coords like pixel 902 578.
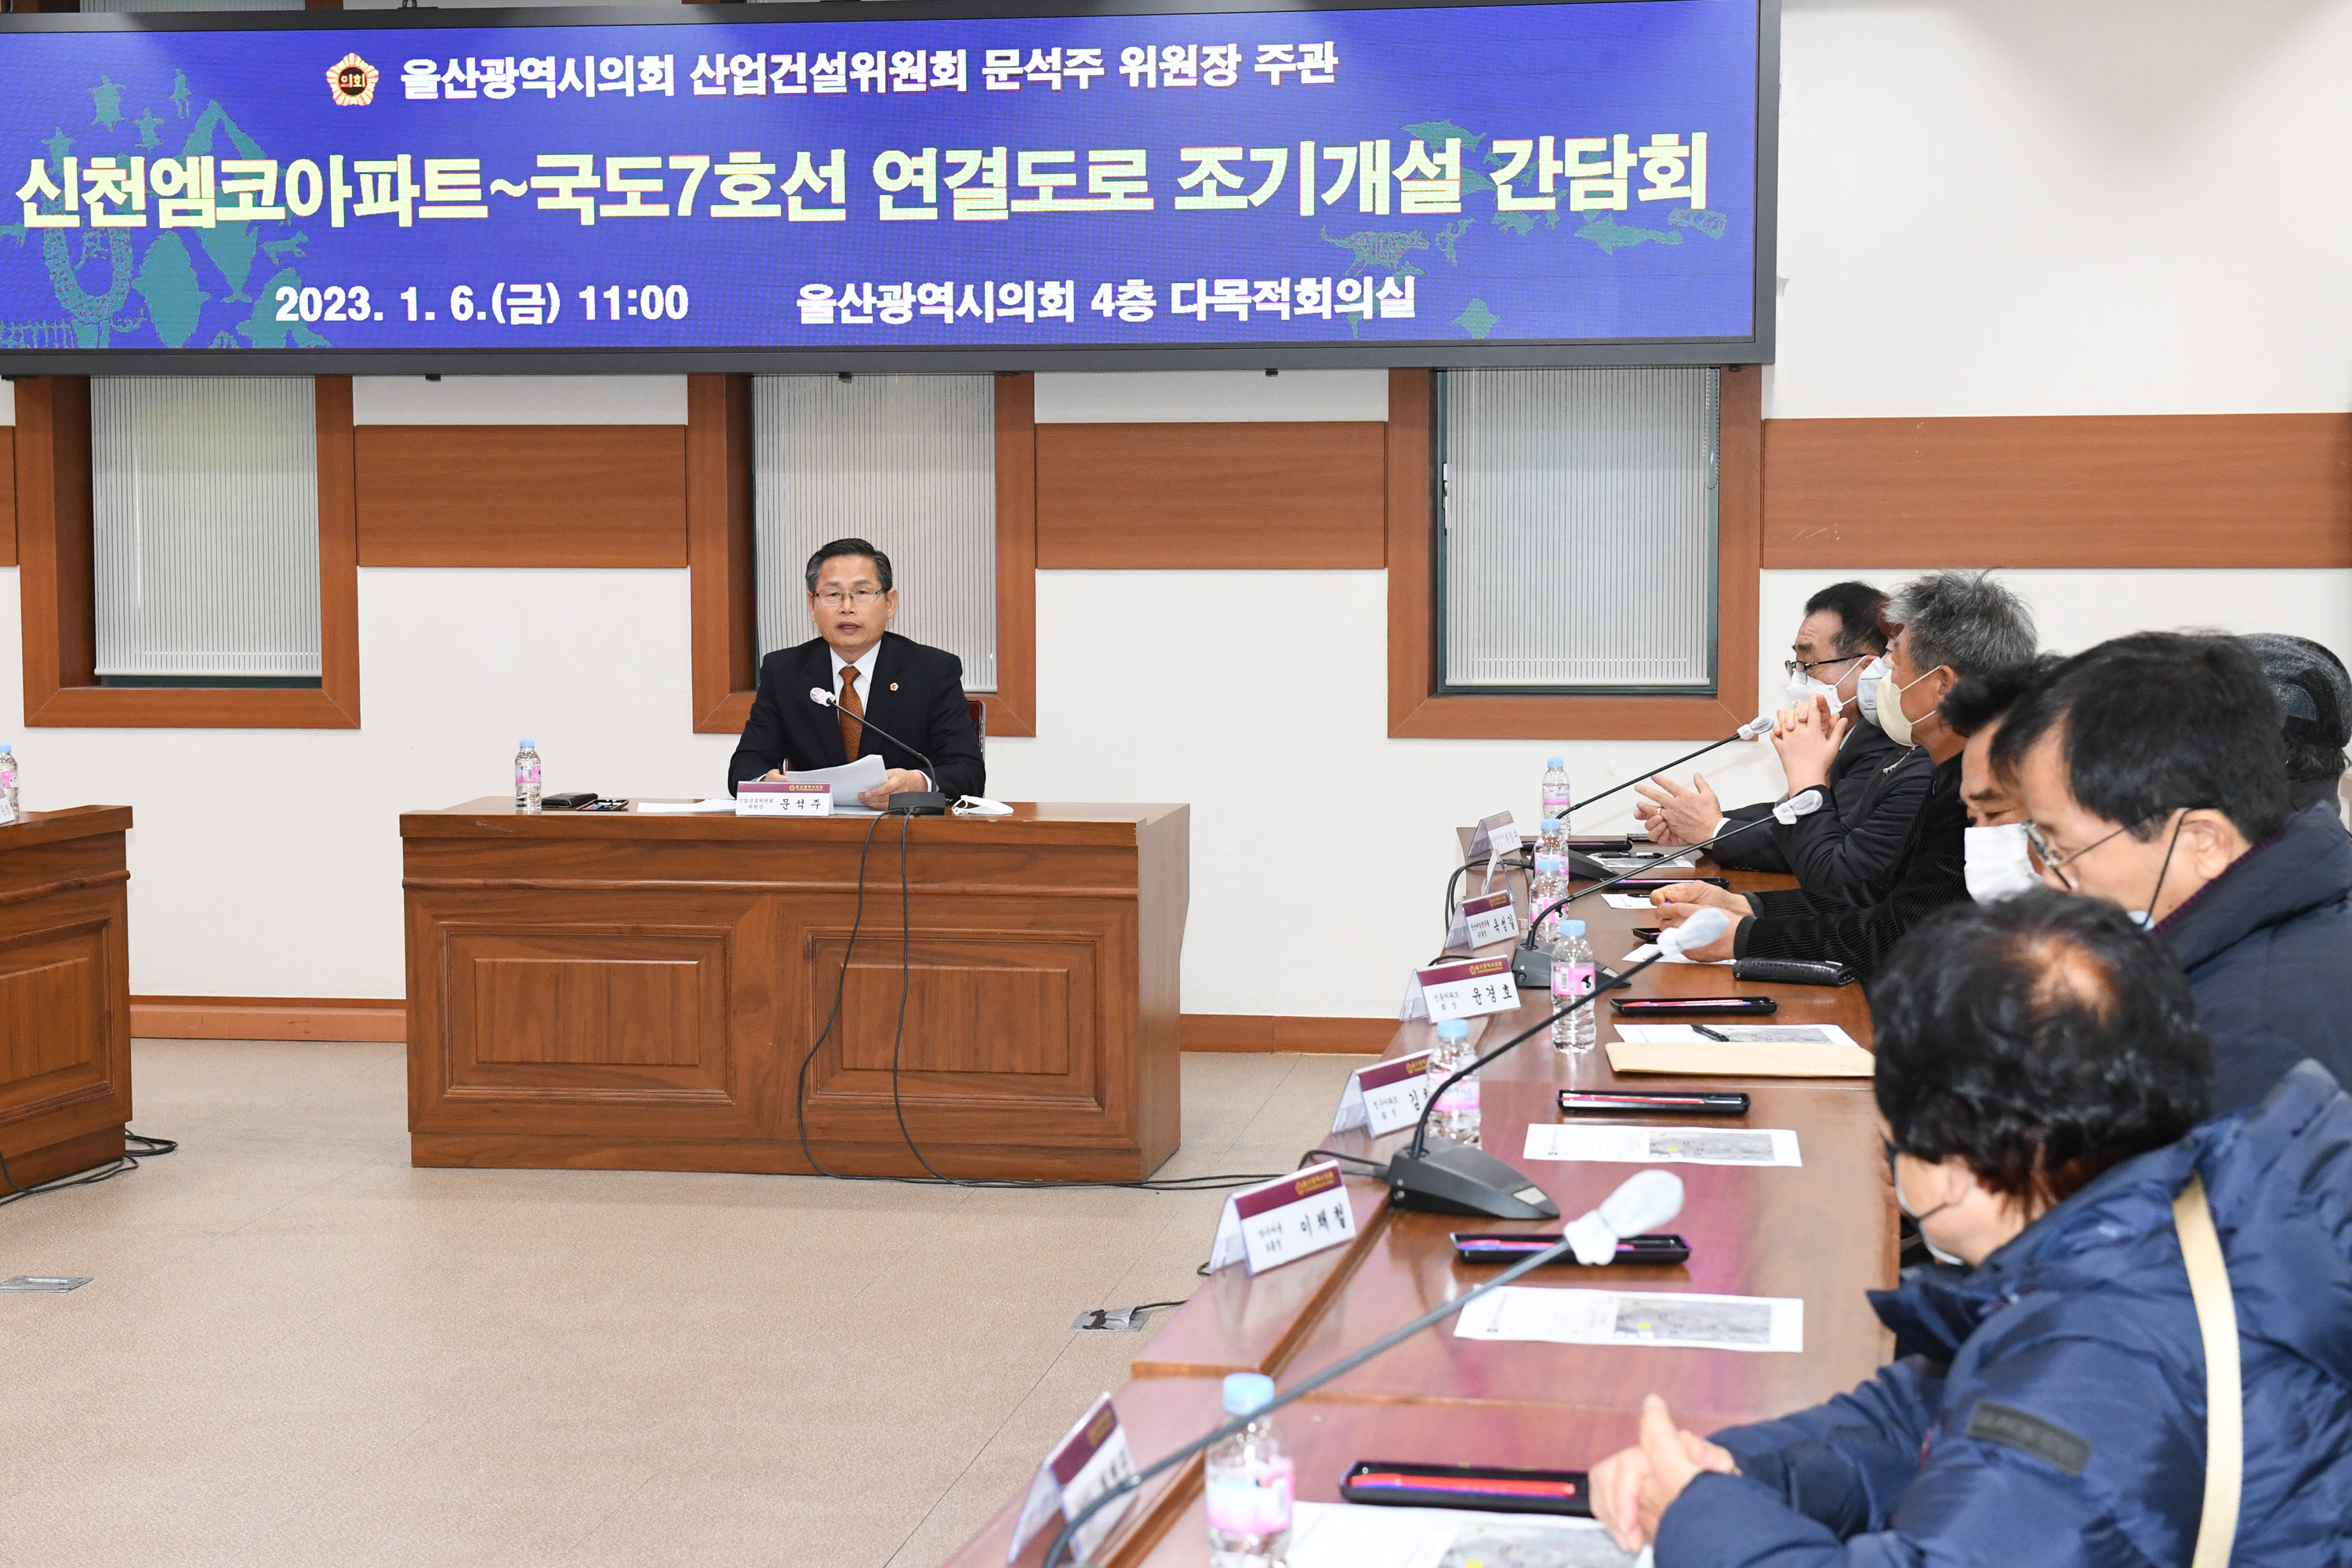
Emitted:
pixel 1823 1233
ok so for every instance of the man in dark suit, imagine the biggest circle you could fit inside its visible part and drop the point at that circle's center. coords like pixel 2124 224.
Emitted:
pixel 909 689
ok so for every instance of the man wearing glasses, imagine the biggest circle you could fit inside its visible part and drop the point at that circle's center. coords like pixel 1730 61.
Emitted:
pixel 909 690
pixel 2155 777
pixel 1828 736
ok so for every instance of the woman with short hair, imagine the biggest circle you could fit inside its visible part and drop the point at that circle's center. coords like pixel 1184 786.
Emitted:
pixel 2042 1078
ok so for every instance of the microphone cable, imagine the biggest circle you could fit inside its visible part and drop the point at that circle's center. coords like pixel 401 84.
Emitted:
pixel 136 1146
pixel 934 1177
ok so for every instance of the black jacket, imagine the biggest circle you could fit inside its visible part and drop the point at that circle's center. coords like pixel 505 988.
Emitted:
pixel 1846 850
pixel 2267 946
pixel 1929 871
pixel 918 694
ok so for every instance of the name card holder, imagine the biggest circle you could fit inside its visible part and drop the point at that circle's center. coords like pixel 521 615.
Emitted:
pixel 1386 1097
pixel 1497 837
pixel 1469 989
pixel 1284 1220
pixel 781 797
pixel 1091 1459
pixel 1490 917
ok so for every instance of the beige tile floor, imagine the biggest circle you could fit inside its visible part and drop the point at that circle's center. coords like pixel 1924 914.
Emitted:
pixel 299 1351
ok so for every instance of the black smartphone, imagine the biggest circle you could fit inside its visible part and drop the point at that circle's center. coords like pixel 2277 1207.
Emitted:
pixel 1647 933
pixel 1395 1483
pixel 1513 1247
pixel 1652 884
pixel 1693 1007
pixel 1653 1102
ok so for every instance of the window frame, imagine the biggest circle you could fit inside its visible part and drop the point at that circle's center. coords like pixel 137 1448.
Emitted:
pixel 55 506
pixel 1419 710
pixel 720 560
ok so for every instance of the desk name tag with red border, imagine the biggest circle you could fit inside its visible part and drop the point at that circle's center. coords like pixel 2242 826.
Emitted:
pixel 1284 1220
pixel 780 797
pixel 1467 990
pixel 1386 1097
pixel 1091 1459
pixel 1490 917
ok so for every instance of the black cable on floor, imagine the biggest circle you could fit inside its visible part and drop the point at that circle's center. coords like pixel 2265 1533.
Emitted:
pixel 135 1146
pixel 1208 1184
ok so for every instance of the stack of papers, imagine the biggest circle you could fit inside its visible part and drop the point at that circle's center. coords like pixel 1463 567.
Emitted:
pixel 1748 1050
pixel 1344 1535
pixel 682 808
pixel 1676 1317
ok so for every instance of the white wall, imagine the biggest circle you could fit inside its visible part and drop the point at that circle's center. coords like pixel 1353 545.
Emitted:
pixel 1990 207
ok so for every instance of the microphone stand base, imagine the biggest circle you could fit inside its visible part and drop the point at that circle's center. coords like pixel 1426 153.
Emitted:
pixel 1448 1177
pixel 917 803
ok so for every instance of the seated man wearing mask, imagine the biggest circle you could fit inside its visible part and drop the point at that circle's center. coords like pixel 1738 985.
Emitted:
pixel 2311 685
pixel 2041 1079
pixel 1828 737
pixel 1953 624
pixel 2154 777
pixel 1999 862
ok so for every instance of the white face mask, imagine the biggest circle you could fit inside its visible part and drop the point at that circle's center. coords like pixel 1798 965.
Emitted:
pixel 1934 1251
pixel 1866 688
pixel 1803 688
pixel 1996 863
pixel 1891 717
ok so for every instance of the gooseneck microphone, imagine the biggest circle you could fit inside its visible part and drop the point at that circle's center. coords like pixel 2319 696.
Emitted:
pixel 1531 965
pixel 1455 1178
pixel 906 803
pixel 1759 725
pixel 1645 1202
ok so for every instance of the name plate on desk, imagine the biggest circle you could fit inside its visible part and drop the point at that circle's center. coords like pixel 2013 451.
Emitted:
pixel 1497 837
pixel 780 797
pixel 1091 1459
pixel 1284 1220
pixel 1491 917
pixel 1386 1097
pixel 1466 990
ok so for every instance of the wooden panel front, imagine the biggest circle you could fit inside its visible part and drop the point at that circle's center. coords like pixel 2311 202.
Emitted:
pixel 1162 497
pixel 7 495
pixel 521 495
pixel 641 991
pixel 2148 490
pixel 65 992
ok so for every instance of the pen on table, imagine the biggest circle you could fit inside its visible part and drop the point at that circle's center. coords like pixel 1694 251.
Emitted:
pixel 1710 1034
pixel 1496 1486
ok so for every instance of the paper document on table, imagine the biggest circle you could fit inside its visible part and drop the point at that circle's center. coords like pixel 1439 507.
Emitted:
pixel 1662 1145
pixel 1748 1050
pixel 1626 900
pixel 1636 1318
pixel 1346 1535
pixel 1649 949
pixel 683 807
pixel 848 782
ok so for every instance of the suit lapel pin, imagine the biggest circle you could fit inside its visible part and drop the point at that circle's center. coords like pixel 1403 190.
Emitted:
pixel 894 686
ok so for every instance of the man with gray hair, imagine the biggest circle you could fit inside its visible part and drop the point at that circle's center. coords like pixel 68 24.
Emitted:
pixel 1943 628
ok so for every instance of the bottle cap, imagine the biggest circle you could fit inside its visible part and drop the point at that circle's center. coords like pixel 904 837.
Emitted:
pixel 1554 762
pixel 1573 928
pixel 1454 1029
pixel 1248 1393
pixel 528 744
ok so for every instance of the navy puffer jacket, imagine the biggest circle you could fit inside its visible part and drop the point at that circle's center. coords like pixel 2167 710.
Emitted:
pixel 2048 1406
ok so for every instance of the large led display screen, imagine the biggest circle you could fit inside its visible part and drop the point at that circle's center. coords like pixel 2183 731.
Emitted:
pixel 1407 184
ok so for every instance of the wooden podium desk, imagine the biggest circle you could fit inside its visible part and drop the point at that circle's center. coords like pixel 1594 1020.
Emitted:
pixel 65 991
pixel 634 991
pixel 1823 1233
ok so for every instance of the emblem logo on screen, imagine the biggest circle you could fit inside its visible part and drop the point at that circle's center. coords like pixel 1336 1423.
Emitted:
pixel 350 82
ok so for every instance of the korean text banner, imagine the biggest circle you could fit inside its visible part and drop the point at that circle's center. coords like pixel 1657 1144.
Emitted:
pixel 1357 179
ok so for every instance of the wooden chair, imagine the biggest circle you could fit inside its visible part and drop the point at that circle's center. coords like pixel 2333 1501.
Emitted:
pixel 978 711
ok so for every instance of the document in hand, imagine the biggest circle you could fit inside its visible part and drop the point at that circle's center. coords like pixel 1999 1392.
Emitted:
pixel 1752 1050
pixel 848 782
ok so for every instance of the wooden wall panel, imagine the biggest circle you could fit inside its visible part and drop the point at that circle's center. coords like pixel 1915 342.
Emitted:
pixel 522 495
pixel 2165 490
pixel 1272 495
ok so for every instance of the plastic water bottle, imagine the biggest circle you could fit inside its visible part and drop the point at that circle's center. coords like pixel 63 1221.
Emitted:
pixel 1551 880
pixel 8 776
pixel 1251 1483
pixel 527 777
pixel 1456 1116
pixel 1556 797
pixel 1573 975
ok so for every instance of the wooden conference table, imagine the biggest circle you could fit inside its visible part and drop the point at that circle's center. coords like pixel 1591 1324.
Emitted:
pixel 1824 1233
pixel 637 992
pixel 65 991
